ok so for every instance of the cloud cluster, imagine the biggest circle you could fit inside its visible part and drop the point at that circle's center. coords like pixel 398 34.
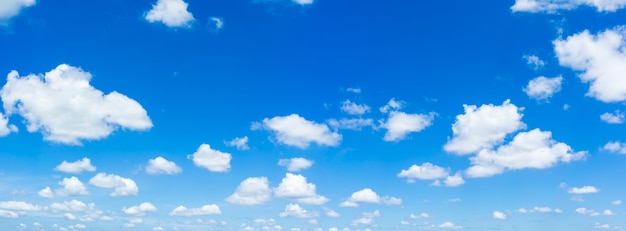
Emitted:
pixel 428 171
pixel 296 187
pixel 251 191
pixel 121 186
pixel 172 13
pixel 553 6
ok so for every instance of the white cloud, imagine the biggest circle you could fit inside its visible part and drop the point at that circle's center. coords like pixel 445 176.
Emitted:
pixel 63 106
pixel 19 206
pixel 600 58
pixel 586 211
pixel 217 23
pixel 353 108
pixel 354 90
pixel 421 215
pixel 583 190
pixel 160 165
pixel 172 13
pixel 303 2
pixel 367 195
pixel 616 202
pixel 295 164
pixel 212 160
pixel 539 210
pixel 72 187
pixel 352 124
pixel 542 88
pixel 483 127
pixel 46 193
pixel 140 210
pixel 366 218
pixel 204 210
pixel 499 215
pixel 613 118
pixel 400 124
pixel 11 8
pixel 294 210
pixel 295 130
pixel 599 225
pixel 8 214
pixel 331 213
pixel 615 147
pixel 297 188
pixel 392 105
pixel 532 149
pixel 76 167
pixel 251 191
pixel 426 171
pixel 450 225
pixel 122 186
pixel 608 212
pixel 454 181
pixel 552 6
pixel 535 61
pixel 240 142
pixel 5 127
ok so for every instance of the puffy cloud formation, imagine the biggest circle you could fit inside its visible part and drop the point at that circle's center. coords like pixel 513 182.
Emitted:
pixel 240 142
pixel 615 147
pixel 499 215
pixel 172 13
pixel 353 108
pixel 121 186
pixel 552 6
pixel 46 193
pixel 294 130
pixel 140 210
pixel 532 149
pixel 11 8
pixel 5 127
pixel 426 171
pixel 76 167
pixel 366 218
pixel 295 164
pixel 251 191
pixel 583 190
pixel 72 187
pixel 483 127
pixel 600 58
pixel 188 212
pixel 400 124
pixel 542 88
pixel 367 195
pixel 63 106
pixel 160 165
pixel 212 160
pixel 294 210
pixel 296 187
pixel 613 118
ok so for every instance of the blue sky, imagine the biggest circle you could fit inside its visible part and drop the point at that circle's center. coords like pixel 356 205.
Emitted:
pixel 312 115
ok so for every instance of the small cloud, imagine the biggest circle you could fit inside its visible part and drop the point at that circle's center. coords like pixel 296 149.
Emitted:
pixel 172 13
pixel 616 202
pixel 240 142
pixel 499 215
pixel 76 167
pixel 613 118
pixel 354 90
pixel 216 24
pixel 534 61
pixel 160 165
pixel 615 147
pixel 295 164
pixel 542 88
pixel 188 212
pixel 583 190
pixel 211 159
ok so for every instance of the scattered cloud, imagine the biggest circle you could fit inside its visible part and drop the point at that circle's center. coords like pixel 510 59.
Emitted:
pixel 5 127
pixel 251 191
pixel 46 193
pixel 542 88
pixel 400 124
pixel 65 108
pixel 121 186
pixel 534 61
pixel 450 225
pixel 616 202
pixel 294 130
pixel 76 167
pixel 188 212
pixel 160 165
pixel 454 180
pixel 426 171
pixel 172 13
pixel 600 58
pixel 11 8
pixel 294 210
pixel 216 23
pixel 615 147
pixel 72 187
pixel 354 90
pixel 419 216
pixel 366 218
pixel 240 142
pixel 295 164
pixel 296 187
pixel 586 211
pixel 351 124
pixel 140 210
pixel 583 190
pixel 367 195
pixel 613 118
pixel 499 215
pixel 392 105
pixel 553 6
pixel 352 108
pixel 212 160
pixel 331 213
pixel 19 206
pixel 537 209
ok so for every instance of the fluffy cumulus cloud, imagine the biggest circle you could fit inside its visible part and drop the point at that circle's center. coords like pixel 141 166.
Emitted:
pixel 19 206
pixel 533 149
pixel 553 6
pixel 76 167
pixel 241 143
pixel 400 124
pixel 212 160
pixel 216 23
pixel 172 13
pixel 615 147
pixel 63 106
pixel 140 210
pixel 613 118
pixel 483 127
pixel 367 195
pixel 294 130
pixel 188 212
pixel 449 225
pixel 72 187
pixel 294 210
pixel 353 108
pixel 600 58
pixel 121 186
pixel 366 219
pixel 46 193
pixel 295 164
pixel 160 165
pixel 499 215
pixel 583 190
pixel 251 191
pixel 426 171
pixel 542 88
pixel 296 187
pixel 11 8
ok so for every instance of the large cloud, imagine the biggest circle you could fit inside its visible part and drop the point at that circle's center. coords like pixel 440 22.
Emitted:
pixel 63 106
pixel 601 60
pixel 552 6
pixel 297 188
pixel 11 8
pixel 297 131
pixel 483 127
pixel 211 159
pixel 172 13
pixel 251 191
